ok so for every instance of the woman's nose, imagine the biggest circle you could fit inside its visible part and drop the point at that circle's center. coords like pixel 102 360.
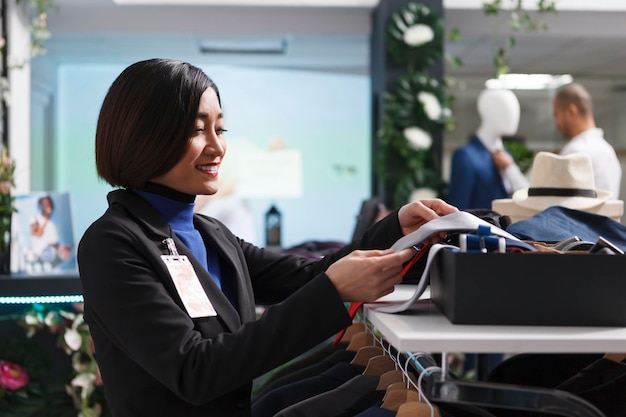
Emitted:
pixel 215 146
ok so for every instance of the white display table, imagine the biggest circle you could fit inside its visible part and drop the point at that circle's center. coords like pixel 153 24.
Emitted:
pixel 424 328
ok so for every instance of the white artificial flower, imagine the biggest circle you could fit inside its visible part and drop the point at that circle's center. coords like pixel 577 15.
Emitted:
pixel 423 193
pixel 73 339
pixel 399 23
pixel 409 17
pixel 31 319
pixel 417 35
pixel 84 380
pixel 417 138
pixel 67 314
pixel 78 321
pixel 50 319
pixel 431 105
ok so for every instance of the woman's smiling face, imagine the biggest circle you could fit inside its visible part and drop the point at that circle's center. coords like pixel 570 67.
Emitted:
pixel 197 171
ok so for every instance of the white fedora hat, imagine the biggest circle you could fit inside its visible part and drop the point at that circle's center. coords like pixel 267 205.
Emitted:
pixel 557 180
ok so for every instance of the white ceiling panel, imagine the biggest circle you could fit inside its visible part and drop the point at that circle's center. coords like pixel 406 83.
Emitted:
pixel 584 43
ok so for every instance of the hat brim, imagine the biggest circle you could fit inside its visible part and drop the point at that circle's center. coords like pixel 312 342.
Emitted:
pixel 539 203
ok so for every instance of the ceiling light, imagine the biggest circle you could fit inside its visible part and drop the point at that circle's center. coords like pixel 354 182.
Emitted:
pixel 262 46
pixel 529 81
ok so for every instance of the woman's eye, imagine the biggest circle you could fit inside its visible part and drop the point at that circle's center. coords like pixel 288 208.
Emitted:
pixel 220 131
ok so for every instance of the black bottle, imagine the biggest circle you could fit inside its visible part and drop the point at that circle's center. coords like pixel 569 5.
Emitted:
pixel 272 227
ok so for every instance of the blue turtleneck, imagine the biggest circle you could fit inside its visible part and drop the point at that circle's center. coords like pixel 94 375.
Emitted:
pixel 177 209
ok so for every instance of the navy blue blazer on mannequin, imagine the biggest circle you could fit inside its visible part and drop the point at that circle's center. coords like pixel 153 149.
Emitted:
pixel 154 358
pixel 474 179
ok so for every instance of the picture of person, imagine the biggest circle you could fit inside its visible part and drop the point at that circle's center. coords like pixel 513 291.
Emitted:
pixel 43 231
pixel 45 247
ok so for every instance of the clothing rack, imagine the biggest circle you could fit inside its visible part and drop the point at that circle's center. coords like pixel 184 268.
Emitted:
pixel 438 387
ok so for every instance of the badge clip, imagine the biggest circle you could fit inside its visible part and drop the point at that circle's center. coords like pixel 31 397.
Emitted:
pixel 171 246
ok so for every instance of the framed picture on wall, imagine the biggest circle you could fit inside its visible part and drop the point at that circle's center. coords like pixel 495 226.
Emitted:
pixel 43 240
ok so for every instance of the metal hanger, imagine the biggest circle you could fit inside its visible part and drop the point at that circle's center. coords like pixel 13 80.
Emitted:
pixel 408 397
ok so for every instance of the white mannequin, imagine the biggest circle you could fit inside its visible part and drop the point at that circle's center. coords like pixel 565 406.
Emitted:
pixel 499 111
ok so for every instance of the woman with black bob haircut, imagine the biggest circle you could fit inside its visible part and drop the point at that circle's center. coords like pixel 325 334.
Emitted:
pixel 170 295
pixel 146 120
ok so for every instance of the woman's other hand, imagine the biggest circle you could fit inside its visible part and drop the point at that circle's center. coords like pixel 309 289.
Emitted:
pixel 414 215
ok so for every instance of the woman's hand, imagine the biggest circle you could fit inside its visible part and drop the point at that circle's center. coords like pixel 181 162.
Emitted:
pixel 368 275
pixel 413 215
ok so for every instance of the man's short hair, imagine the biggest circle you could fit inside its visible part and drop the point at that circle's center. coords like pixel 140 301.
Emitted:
pixel 577 95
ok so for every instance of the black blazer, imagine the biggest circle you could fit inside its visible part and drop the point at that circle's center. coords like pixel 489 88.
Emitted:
pixel 157 361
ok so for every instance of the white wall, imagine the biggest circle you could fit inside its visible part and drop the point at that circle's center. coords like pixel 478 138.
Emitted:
pixel 324 116
pixel 20 97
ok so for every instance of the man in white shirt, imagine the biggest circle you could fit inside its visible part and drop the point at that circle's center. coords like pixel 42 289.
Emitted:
pixel 573 117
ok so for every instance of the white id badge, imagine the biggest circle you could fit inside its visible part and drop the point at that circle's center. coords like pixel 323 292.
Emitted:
pixel 188 286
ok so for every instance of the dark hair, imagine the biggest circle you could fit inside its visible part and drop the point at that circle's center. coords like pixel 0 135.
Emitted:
pixel 45 197
pixel 576 94
pixel 147 119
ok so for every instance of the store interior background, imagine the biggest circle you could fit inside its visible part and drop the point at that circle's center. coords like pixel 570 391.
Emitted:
pixel 316 96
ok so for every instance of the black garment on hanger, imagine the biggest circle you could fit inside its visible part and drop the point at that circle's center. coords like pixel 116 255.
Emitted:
pixel 367 400
pixel 546 370
pixel 321 364
pixel 336 401
pixel 598 373
pixel 376 412
pixel 283 397
pixel 603 384
pixel 610 397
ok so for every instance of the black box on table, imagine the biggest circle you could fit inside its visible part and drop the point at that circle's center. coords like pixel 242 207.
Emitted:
pixel 535 288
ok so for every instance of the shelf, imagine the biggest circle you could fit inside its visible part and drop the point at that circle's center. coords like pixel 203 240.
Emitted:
pixel 424 328
pixel 22 288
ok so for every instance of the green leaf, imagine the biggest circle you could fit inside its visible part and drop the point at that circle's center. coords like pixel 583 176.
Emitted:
pixel 511 41
pixel 520 19
pixel 454 34
pixel 491 9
